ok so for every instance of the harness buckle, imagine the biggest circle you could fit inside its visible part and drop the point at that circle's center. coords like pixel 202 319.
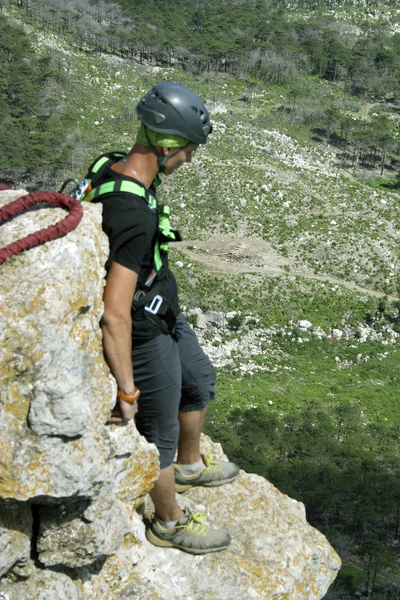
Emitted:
pixel 155 305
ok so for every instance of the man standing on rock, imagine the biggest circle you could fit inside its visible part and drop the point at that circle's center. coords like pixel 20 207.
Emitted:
pixel 149 345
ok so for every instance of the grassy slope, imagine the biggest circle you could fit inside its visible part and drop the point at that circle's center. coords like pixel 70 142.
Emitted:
pixel 252 179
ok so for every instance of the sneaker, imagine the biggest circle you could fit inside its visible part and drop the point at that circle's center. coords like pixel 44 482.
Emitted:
pixel 216 472
pixel 190 534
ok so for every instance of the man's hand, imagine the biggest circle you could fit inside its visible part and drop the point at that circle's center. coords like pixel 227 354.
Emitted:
pixel 123 412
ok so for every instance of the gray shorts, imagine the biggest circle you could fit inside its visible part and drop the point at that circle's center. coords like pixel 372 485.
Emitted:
pixel 173 375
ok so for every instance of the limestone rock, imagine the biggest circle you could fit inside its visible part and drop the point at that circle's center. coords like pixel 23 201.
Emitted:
pixel 15 534
pixel 274 554
pixel 56 391
pixel 337 334
pixel 77 534
pixel 215 319
pixel 59 408
pixel 87 477
pixel 201 318
pixel 132 464
pixel 305 324
pixel 52 371
pixel 42 585
pixel 210 320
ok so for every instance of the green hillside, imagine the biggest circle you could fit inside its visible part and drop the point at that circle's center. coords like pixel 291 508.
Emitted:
pixel 299 189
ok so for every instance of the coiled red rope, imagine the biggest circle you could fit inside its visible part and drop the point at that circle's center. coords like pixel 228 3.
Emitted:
pixel 44 235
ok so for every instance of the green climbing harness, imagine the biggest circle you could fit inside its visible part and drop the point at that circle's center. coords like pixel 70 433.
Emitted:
pixel 87 191
pixel 147 298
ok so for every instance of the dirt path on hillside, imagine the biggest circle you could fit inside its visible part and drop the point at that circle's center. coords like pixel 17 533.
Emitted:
pixel 366 109
pixel 232 255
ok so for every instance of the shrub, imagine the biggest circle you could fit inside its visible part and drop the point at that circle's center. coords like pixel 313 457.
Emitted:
pixel 193 320
pixel 235 322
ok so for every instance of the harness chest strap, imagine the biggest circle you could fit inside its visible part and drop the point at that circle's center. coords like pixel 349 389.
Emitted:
pixel 129 187
pixel 156 308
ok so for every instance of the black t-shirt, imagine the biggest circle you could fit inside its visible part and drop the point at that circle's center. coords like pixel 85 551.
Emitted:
pixel 132 228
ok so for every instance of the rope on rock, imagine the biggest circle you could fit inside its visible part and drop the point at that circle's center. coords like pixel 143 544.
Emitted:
pixel 44 235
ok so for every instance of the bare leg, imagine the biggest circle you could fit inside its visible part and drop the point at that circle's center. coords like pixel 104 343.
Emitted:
pixel 163 496
pixel 189 437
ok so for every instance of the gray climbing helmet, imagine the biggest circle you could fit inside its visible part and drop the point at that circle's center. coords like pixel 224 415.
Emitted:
pixel 172 108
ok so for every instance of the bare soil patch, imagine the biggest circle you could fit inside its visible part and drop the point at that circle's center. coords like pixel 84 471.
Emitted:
pixel 233 255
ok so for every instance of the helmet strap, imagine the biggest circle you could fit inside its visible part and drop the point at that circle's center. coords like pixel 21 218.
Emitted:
pixel 162 159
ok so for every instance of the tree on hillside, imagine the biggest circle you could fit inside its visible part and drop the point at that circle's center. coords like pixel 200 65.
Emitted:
pixel 382 134
pixel 297 91
pixel 338 57
pixel 376 558
pixel 32 125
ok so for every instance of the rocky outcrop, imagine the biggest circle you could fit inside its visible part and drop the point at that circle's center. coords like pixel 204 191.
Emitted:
pixel 58 456
pixel 237 340
pixel 274 553
pixel 70 484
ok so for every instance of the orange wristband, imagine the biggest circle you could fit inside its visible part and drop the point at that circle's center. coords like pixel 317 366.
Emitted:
pixel 130 399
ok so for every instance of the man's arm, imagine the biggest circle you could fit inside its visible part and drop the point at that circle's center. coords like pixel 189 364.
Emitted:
pixel 117 327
